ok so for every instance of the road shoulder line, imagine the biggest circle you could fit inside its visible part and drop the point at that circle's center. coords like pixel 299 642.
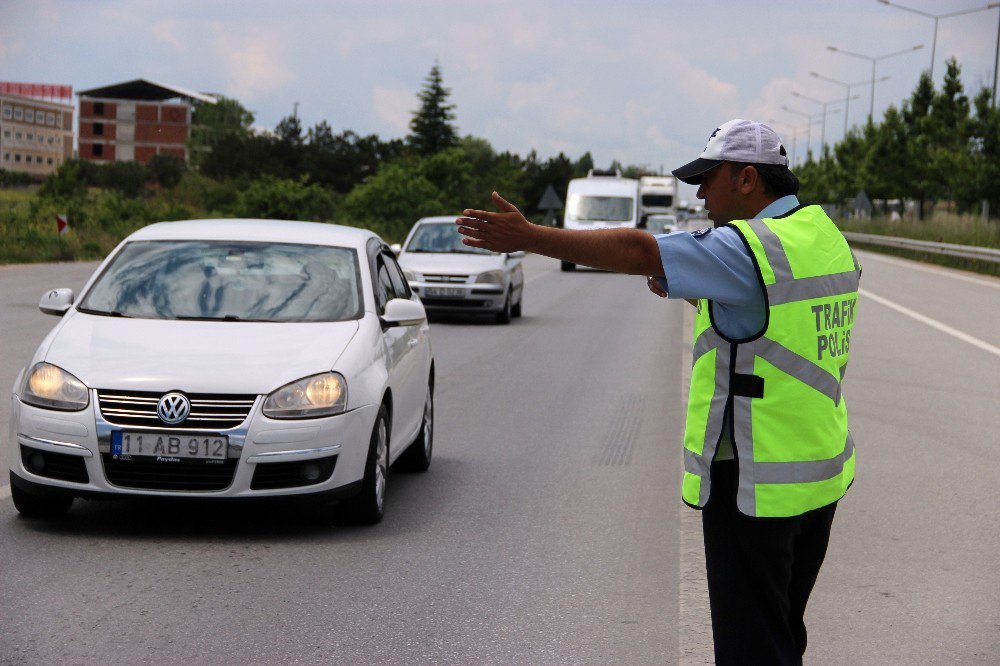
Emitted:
pixel 933 323
pixel 694 618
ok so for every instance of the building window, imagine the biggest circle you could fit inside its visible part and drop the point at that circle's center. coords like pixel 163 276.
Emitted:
pixel 18 113
pixel 6 134
pixel 6 157
pixel 51 140
pixel 17 157
pixel 29 116
pixel 50 161
pixel 50 118
pixel 30 137
pixel 40 118
pixel 98 108
pixel 17 135
pixel 98 129
pixel 98 149
pixel 8 113
pixel 38 160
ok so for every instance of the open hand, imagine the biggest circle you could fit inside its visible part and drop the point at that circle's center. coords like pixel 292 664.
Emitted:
pixel 506 231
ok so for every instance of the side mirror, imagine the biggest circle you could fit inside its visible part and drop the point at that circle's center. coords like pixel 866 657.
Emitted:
pixel 519 254
pixel 403 312
pixel 396 247
pixel 56 302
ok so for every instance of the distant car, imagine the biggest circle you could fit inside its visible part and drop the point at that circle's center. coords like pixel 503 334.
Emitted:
pixel 660 223
pixel 228 359
pixel 452 277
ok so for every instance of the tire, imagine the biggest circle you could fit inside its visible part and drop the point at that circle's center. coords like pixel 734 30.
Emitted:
pixel 567 266
pixel 37 506
pixel 516 310
pixel 503 317
pixel 368 506
pixel 417 458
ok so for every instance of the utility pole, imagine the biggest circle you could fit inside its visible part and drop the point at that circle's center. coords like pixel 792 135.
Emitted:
pixel 847 87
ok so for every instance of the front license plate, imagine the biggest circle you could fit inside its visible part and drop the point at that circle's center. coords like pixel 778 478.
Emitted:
pixel 125 444
pixel 444 291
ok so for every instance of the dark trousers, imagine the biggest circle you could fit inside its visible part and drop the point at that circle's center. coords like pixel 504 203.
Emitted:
pixel 760 574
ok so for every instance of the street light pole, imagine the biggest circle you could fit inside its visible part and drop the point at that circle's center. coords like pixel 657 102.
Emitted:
pixel 847 95
pixel 874 59
pixel 810 119
pixel 822 140
pixel 936 18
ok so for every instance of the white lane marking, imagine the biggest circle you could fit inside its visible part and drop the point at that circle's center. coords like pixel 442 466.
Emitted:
pixel 935 270
pixel 4 492
pixel 694 640
pixel 933 323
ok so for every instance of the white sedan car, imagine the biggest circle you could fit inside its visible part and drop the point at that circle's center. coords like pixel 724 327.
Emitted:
pixel 452 277
pixel 228 359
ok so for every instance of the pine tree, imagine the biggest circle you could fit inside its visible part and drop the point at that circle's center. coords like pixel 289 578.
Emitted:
pixel 431 127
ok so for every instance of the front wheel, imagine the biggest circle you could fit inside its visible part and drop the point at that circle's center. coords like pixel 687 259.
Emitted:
pixel 368 507
pixel 516 310
pixel 503 317
pixel 417 458
pixel 37 506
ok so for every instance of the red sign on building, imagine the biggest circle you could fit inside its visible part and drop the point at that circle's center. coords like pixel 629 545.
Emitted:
pixel 37 90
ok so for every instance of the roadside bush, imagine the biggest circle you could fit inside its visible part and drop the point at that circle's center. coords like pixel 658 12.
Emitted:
pixel 281 199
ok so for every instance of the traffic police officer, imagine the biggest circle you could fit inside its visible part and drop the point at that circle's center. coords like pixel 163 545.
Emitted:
pixel 767 452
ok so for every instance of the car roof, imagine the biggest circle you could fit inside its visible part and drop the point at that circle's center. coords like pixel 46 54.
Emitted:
pixel 273 231
pixel 437 219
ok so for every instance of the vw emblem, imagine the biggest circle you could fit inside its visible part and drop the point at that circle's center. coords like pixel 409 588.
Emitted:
pixel 173 408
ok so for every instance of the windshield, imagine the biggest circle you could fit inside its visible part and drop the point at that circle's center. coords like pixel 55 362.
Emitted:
pixel 229 280
pixel 440 237
pixel 610 209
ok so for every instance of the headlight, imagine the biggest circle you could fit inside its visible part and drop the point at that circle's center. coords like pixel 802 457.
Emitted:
pixel 54 388
pixel 318 395
pixel 490 277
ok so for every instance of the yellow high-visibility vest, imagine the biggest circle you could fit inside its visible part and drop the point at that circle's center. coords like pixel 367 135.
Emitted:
pixel 782 387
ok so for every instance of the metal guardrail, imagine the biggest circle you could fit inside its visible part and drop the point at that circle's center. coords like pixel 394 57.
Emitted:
pixel 949 249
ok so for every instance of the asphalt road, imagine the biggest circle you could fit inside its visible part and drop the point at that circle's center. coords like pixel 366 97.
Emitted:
pixel 549 528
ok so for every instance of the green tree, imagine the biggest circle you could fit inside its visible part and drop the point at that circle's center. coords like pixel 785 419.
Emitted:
pixel 431 128
pixel 220 134
pixel 393 199
pixel 283 199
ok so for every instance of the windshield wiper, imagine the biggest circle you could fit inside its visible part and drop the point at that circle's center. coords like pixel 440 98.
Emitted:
pixel 228 317
pixel 104 313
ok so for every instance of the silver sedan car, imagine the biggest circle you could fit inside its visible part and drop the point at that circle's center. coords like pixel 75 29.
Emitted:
pixel 452 277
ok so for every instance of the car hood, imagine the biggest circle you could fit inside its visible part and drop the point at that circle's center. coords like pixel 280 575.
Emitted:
pixel 450 262
pixel 197 356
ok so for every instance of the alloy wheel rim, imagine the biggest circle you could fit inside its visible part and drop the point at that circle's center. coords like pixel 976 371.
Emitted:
pixel 428 423
pixel 381 463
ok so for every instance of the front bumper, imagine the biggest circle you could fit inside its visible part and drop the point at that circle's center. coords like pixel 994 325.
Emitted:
pixel 70 452
pixel 461 297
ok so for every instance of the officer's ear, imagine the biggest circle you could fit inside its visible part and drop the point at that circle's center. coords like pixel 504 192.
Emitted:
pixel 747 179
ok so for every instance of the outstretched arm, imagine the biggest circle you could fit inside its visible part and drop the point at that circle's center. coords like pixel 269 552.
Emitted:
pixel 628 251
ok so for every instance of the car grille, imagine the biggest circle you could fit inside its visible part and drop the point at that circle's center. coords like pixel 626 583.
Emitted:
pixel 54 465
pixel 149 474
pixel 208 410
pixel 453 279
pixel 289 474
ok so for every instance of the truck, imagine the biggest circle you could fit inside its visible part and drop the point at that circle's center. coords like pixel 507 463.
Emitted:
pixel 602 200
pixel 658 197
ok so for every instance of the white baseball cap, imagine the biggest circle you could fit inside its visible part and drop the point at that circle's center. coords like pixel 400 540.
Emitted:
pixel 736 141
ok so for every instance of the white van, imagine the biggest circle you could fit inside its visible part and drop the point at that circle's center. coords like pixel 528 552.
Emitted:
pixel 658 196
pixel 602 200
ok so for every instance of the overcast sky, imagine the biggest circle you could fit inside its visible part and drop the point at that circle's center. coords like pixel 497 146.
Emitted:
pixel 644 82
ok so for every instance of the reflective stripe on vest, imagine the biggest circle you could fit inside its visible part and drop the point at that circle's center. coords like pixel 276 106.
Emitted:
pixel 785 383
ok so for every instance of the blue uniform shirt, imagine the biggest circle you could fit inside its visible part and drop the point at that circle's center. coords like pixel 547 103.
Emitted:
pixel 715 264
